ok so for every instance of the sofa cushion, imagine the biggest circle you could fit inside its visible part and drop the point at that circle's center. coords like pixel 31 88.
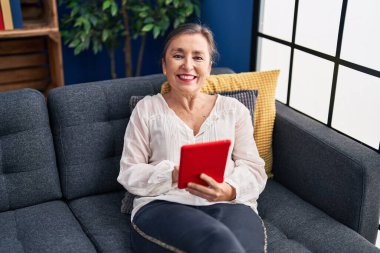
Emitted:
pixel 296 220
pixel 246 97
pixel 28 171
pixel 88 124
pixel 47 227
pixel 265 83
pixel 103 222
pixel 278 242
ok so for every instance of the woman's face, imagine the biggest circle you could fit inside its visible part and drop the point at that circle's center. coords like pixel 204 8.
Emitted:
pixel 187 63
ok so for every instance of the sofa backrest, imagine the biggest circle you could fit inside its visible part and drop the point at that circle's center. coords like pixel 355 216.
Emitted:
pixel 88 124
pixel 28 171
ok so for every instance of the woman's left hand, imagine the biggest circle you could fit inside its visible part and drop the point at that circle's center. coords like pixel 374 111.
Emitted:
pixel 214 192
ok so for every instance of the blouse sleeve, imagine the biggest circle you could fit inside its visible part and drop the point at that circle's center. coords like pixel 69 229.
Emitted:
pixel 248 177
pixel 136 174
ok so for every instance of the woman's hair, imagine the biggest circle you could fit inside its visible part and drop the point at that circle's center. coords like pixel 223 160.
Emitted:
pixel 192 28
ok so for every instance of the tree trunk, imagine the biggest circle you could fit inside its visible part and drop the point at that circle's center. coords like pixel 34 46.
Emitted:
pixel 141 55
pixel 127 42
pixel 113 65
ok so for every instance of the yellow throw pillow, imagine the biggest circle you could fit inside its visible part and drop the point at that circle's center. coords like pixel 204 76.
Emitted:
pixel 265 82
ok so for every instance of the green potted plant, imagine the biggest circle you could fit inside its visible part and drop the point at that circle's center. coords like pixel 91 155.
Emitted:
pixel 90 25
pixel 96 24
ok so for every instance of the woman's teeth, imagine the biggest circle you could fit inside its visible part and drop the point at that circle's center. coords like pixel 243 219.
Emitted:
pixel 186 77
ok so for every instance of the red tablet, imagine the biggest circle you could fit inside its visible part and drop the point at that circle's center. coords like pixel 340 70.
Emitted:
pixel 207 157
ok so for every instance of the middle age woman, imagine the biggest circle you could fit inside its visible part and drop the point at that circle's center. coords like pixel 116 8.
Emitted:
pixel 220 217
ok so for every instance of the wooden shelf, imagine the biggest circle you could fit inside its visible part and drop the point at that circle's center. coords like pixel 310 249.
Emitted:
pixel 31 57
pixel 28 32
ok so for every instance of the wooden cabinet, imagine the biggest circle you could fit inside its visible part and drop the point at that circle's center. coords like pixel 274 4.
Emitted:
pixel 31 57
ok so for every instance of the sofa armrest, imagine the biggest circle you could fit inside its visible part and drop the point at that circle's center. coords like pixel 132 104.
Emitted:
pixel 327 169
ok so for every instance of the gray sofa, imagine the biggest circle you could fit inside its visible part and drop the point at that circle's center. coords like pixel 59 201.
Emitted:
pixel 59 162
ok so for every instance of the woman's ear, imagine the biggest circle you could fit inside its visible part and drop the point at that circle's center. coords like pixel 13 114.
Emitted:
pixel 210 67
pixel 163 66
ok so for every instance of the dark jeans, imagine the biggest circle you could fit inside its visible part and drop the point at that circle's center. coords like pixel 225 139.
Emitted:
pixel 163 226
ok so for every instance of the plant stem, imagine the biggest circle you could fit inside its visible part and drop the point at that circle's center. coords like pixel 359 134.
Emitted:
pixel 141 55
pixel 127 42
pixel 113 65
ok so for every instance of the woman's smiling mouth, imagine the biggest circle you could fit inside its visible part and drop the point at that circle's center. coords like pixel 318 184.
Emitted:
pixel 186 77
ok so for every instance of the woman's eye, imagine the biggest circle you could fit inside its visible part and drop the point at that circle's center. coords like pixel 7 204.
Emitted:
pixel 177 56
pixel 198 58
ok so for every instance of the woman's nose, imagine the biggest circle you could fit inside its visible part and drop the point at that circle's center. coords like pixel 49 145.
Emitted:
pixel 188 64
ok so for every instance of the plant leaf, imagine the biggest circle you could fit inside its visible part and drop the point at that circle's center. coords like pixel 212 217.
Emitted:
pixel 147 28
pixel 74 43
pixel 156 32
pixel 87 25
pixel 93 20
pixel 105 35
pixel 114 9
pixel 143 14
pixel 177 22
pixel 189 10
pixel 148 20
pixel 78 22
pixel 77 50
pixel 106 4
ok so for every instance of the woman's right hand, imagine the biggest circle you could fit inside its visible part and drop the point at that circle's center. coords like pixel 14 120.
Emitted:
pixel 175 175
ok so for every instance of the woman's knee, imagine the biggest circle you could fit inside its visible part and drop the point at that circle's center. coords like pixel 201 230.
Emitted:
pixel 217 238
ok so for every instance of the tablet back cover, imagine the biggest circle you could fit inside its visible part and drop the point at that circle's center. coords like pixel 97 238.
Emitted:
pixel 207 157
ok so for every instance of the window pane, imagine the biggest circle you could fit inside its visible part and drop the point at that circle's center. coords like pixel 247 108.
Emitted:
pixel 318 25
pixel 311 85
pixel 361 36
pixel 277 18
pixel 356 107
pixel 275 56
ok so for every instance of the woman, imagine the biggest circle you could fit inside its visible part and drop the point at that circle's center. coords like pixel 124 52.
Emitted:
pixel 221 217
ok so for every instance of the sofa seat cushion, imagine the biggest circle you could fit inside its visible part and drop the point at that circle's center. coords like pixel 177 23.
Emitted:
pixel 47 227
pixel 278 242
pixel 292 221
pixel 103 222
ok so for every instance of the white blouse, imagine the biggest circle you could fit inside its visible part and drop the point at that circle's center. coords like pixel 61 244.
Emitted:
pixel 152 144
